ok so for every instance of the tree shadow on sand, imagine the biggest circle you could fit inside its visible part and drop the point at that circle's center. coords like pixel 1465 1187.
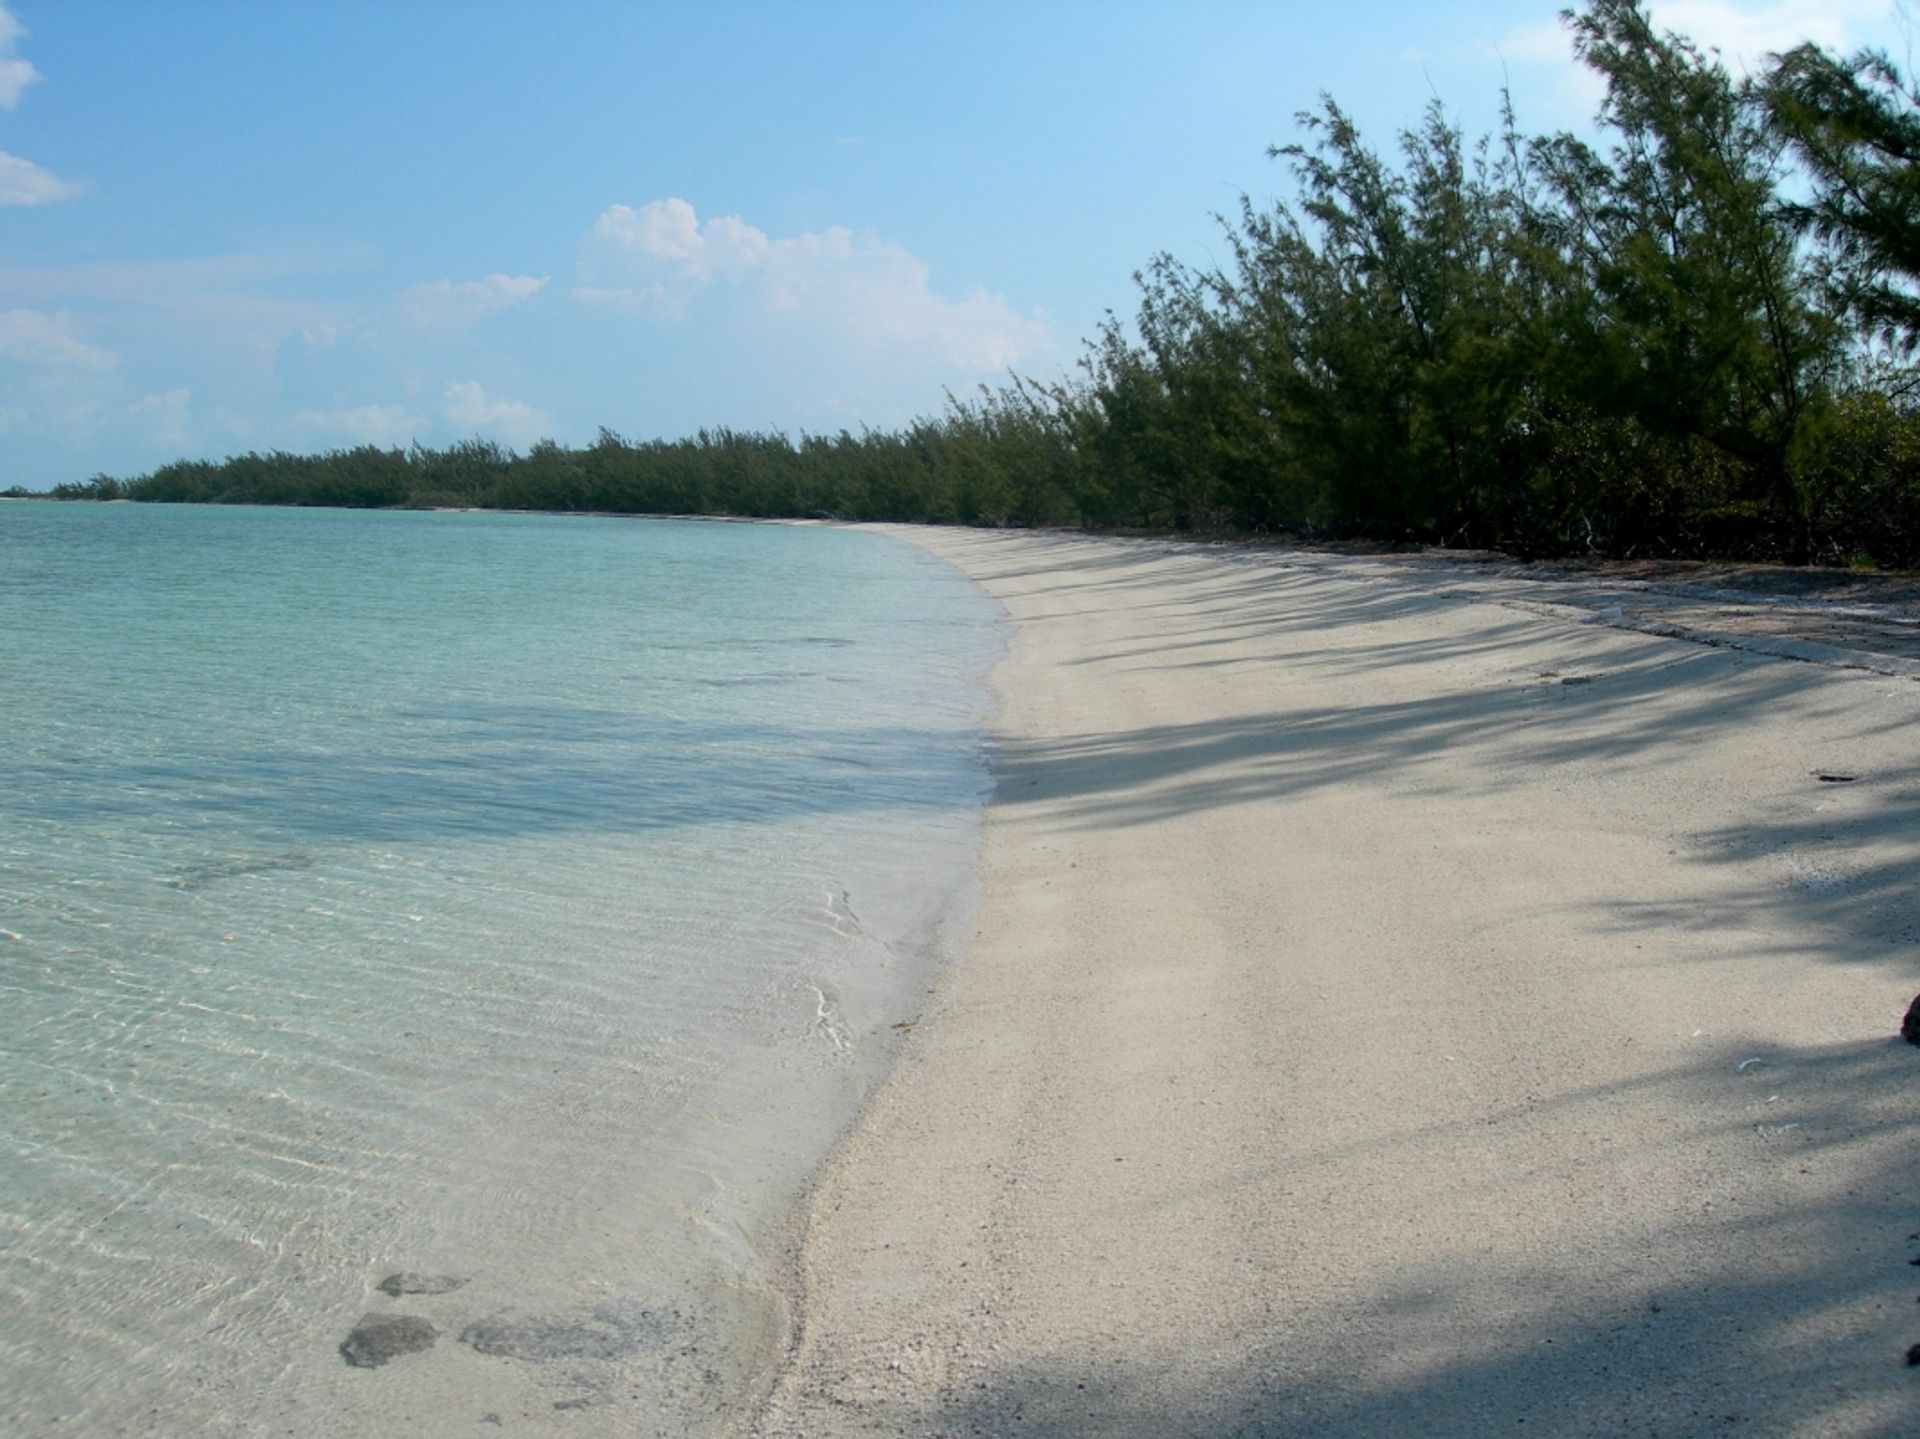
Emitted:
pixel 1787 1326
pixel 1626 713
pixel 1784 1306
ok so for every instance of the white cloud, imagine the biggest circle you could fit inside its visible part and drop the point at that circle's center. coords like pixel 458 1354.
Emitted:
pixel 32 337
pixel 661 256
pixel 15 74
pixel 385 425
pixel 442 304
pixel 21 181
pixel 1542 42
pixel 72 423
pixel 1746 34
pixel 168 418
pixel 668 233
pixel 623 297
pixel 245 307
pixel 24 183
pixel 1743 34
pixel 469 407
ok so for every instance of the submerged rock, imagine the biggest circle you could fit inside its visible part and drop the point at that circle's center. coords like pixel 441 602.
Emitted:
pixel 607 1331
pixel 237 867
pixel 380 1337
pixel 408 1282
pixel 1910 1029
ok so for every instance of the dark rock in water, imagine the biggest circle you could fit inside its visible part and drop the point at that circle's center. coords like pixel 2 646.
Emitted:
pixel 609 1331
pixel 236 867
pixel 411 1283
pixel 1913 1357
pixel 380 1337
pixel 1910 1028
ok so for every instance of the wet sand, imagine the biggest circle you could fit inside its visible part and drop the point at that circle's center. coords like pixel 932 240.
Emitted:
pixel 1395 1007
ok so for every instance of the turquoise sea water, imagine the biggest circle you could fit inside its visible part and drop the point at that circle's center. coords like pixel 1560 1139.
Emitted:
pixel 520 899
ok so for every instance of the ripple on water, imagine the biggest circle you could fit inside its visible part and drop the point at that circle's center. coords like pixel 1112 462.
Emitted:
pixel 517 900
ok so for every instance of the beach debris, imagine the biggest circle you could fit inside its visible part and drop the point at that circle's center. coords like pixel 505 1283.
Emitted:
pixel 1833 776
pixel 380 1337
pixel 1910 1026
pixel 611 1330
pixel 1744 1065
pixel 407 1282
pixel 1602 616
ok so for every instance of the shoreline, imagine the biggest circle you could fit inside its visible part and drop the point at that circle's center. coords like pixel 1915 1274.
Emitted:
pixel 1390 1004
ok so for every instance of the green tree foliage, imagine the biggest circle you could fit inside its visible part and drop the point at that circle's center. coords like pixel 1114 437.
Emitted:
pixel 1004 457
pixel 1855 125
pixel 1536 344
pixel 1711 331
pixel 100 487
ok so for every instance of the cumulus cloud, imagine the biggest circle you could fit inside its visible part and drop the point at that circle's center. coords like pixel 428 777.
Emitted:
pixel 21 181
pixel 468 407
pixel 33 337
pixel 385 425
pixel 661 256
pixel 443 304
pixel 15 74
pixel 24 183
pixel 668 234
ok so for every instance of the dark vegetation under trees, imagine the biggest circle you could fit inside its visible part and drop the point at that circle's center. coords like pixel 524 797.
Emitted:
pixel 1695 338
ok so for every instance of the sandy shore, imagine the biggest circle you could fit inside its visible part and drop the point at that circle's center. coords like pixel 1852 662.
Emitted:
pixel 1395 1008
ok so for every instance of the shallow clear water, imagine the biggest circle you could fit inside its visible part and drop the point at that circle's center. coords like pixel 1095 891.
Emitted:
pixel 521 899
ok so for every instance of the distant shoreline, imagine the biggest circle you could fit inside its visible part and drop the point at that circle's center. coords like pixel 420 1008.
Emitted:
pixel 1731 580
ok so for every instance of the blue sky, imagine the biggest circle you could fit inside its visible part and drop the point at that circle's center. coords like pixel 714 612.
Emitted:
pixel 232 226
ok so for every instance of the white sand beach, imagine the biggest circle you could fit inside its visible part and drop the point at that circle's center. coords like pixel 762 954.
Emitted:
pixel 1395 1007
